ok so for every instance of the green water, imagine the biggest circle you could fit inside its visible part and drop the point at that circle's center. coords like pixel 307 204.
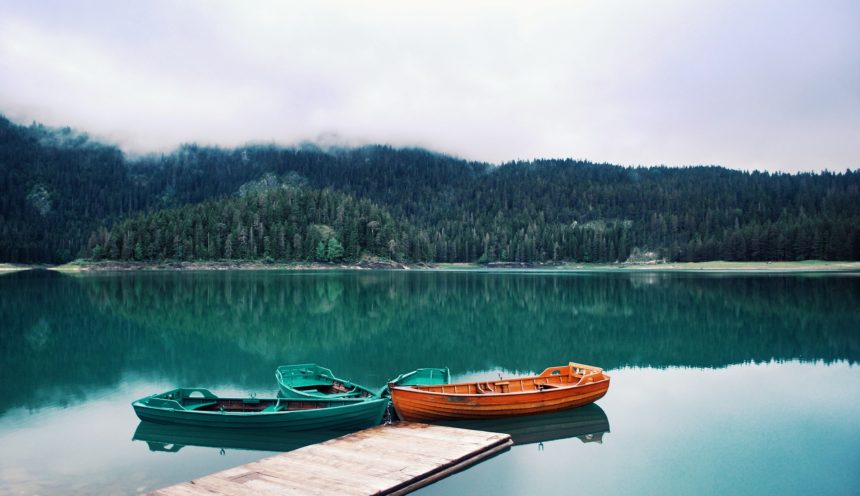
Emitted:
pixel 740 384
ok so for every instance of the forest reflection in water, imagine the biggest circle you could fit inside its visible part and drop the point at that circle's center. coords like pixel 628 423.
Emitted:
pixel 75 333
pixel 702 364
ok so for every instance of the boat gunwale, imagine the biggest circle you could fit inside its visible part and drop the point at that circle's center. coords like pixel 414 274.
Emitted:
pixel 443 371
pixel 333 405
pixel 326 372
pixel 358 391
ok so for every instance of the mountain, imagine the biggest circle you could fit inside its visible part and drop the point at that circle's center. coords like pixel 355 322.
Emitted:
pixel 64 195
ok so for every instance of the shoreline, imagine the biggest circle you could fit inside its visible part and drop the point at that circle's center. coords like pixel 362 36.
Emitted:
pixel 7 268
pixel 713 266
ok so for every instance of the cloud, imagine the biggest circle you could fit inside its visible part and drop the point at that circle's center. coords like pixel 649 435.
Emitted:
pixel 762 84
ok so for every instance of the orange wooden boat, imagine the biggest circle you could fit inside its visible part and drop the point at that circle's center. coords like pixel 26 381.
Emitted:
pixel 557 388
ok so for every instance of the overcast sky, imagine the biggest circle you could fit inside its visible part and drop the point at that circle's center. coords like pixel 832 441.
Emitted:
pixel 752 84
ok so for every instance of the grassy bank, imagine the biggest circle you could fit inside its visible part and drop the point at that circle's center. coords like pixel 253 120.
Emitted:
pixel 103 266
pixel 714 266
pixel 806 265
pixel 721 266
pixel 9 268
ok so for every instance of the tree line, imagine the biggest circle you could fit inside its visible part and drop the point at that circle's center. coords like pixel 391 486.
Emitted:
pixel 283 223
pixel 64 194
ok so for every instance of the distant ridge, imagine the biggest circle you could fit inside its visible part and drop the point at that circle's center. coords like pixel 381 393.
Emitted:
pixel 63 195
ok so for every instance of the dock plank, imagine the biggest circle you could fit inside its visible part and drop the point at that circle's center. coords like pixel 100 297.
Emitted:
pixel 414 466
pixel 385 460
pixel 438 453
pixel 348 476
pixel 212 485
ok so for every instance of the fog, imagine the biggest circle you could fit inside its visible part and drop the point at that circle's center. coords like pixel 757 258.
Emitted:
pixel 762 84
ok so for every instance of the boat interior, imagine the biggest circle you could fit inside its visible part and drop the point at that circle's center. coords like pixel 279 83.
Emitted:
pixel 571 375
pixel 311 378
pixel 333 388
pixel 253 405
pixel 204 401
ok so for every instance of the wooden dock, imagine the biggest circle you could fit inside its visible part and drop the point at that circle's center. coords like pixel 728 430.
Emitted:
pixel 388 459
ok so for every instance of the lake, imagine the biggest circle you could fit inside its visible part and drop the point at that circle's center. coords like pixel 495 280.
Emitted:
pixel 740 384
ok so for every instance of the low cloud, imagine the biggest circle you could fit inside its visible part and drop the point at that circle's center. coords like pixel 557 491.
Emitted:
pixel 762 84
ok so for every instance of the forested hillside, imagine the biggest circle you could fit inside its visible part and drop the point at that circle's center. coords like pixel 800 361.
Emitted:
pixel 269 220
pixel 63 196
pixel 55 186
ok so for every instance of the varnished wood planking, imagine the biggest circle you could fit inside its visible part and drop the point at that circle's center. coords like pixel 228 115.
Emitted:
pixel 556 388
pixel 393 459
pixel 420 407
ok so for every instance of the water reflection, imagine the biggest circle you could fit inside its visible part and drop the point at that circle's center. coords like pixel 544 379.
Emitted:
pixel 742 384
pixel 65 337
pixel 172 438
pixel 776 428
pixel 588 423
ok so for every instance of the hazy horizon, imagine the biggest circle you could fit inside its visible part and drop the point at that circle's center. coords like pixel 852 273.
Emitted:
pixel 761 86
pixel 327 146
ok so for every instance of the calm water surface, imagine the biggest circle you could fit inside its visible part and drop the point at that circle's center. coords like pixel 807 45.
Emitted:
pixel 721 384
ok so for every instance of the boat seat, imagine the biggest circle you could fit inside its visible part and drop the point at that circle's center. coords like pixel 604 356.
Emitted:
pixel 199 405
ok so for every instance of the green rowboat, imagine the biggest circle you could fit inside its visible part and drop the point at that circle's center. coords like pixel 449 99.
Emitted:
pixel 200 407
pixel 423 377
pixel 419 377
pixel 310 381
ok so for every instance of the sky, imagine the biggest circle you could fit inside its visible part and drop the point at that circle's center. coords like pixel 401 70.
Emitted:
pixel 753 84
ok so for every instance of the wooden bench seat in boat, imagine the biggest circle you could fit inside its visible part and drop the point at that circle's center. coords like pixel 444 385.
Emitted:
pixel 504 386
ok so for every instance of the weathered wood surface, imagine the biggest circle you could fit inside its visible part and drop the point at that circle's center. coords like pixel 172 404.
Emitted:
pixel 389 459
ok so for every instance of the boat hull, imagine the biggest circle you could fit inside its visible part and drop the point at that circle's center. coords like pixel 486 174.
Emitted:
pixel 344 416
pixel 424 406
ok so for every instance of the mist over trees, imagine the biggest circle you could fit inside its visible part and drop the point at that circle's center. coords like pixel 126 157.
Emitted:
pixel 64 196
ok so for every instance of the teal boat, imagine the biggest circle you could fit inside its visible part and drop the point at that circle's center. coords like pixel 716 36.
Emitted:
pixel 423 377
pixel 419 377
pixel 310 381
pixel 200 407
